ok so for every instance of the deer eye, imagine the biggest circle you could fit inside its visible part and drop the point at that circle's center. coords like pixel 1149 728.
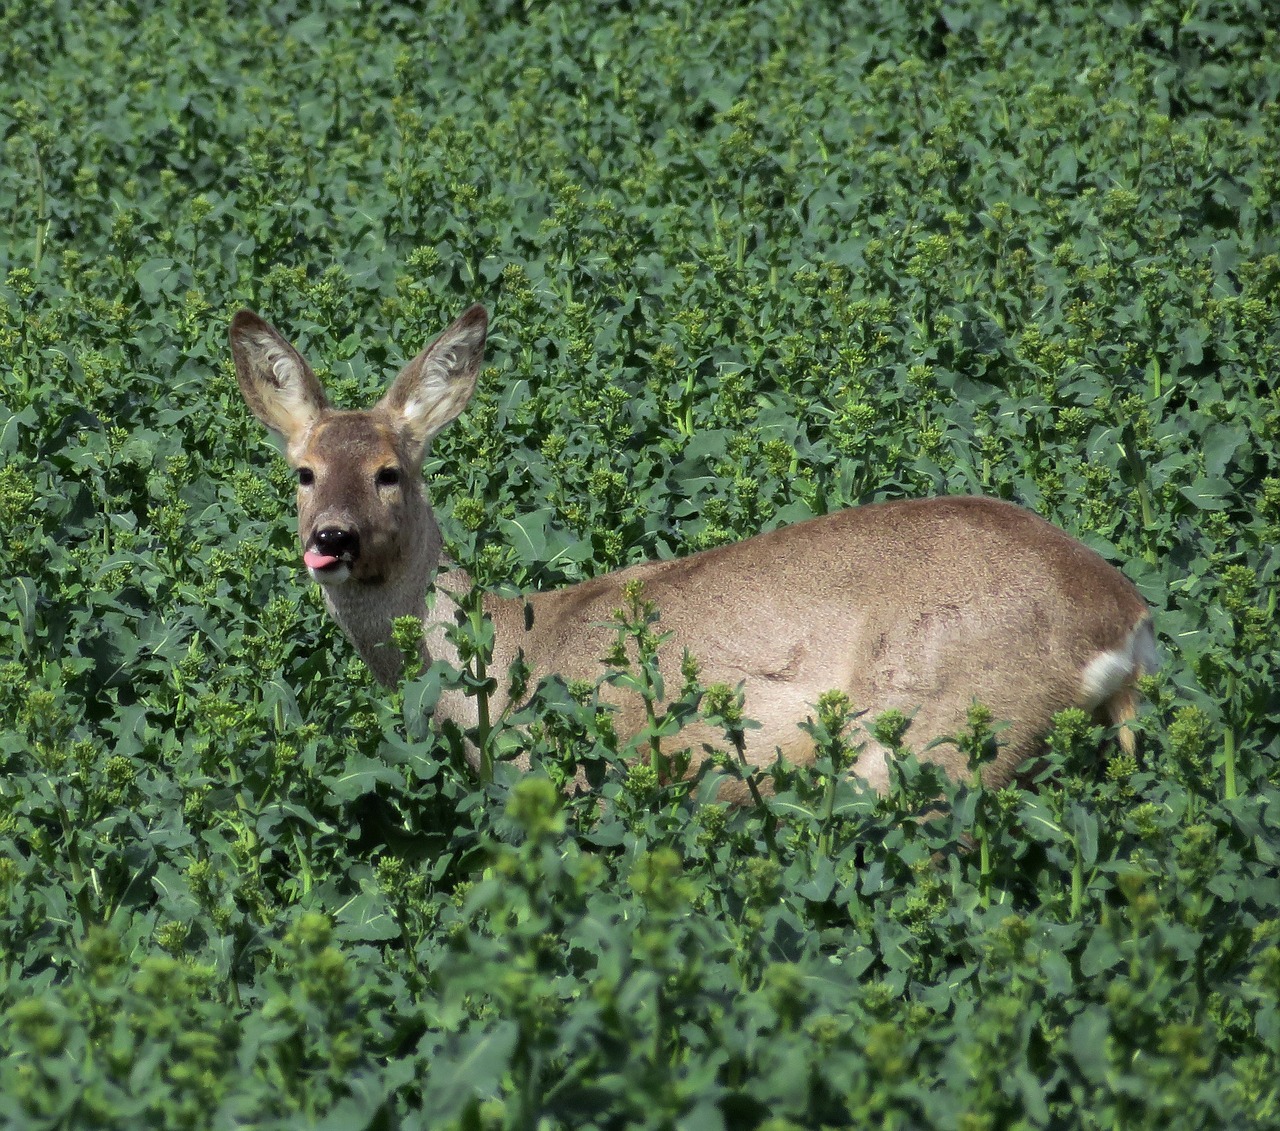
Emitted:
pixel 387 477
pixel 306 477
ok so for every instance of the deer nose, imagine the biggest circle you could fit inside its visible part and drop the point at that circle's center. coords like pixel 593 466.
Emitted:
pixel 341 544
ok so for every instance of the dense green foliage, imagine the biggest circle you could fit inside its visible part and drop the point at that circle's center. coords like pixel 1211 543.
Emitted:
pixel 746 264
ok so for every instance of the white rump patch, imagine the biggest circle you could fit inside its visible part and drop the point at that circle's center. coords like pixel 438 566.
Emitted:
pixel 1110 672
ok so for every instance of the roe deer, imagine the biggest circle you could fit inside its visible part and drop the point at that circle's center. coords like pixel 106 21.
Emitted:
pixel 922 605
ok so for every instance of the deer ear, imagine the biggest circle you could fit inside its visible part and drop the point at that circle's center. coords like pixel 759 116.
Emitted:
pixel 437 384
pixel 274 379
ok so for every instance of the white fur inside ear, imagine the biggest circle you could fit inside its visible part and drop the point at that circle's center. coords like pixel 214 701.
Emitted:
pixel 288 390
pixel 281 361
pixel 432 404
pixel 436 385
pixel 444 387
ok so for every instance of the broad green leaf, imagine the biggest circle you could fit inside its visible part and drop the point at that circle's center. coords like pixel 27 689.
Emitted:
pixel 1208 494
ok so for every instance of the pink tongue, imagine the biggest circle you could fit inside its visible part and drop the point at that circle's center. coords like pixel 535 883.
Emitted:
pixel 318 561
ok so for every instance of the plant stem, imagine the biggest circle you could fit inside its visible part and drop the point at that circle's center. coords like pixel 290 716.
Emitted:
pixel 1229 745
pixel 42 214
pixel 481 672
pixel 655 746
pixel 1077 880
pixel 1229 763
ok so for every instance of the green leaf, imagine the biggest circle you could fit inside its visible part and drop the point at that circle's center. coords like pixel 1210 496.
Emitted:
pixel 24 598
pixel 359 776
pixel 1082 825
pixel 365 918
pixel 155 277
pixel 1208 494
pixel 1087 1040
pixel 474 1066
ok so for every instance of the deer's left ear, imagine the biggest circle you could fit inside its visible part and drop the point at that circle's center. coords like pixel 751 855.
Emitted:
pixel 437 384
pixel 273 377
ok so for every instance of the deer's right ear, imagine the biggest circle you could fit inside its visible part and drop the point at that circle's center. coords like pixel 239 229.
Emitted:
pixel 275 380
pixel 436 385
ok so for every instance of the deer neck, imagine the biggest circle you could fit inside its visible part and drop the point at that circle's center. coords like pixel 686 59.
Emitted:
pixel 366 610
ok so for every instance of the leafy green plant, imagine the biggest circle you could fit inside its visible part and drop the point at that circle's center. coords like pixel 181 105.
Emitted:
pixel 745 266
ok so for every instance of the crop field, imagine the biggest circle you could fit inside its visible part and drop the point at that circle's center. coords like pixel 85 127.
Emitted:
pixel 746 264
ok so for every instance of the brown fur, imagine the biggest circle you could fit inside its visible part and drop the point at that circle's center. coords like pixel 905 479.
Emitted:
pixel 922 605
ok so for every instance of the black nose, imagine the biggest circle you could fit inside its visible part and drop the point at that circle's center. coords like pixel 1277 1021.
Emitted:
pixel 343 544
